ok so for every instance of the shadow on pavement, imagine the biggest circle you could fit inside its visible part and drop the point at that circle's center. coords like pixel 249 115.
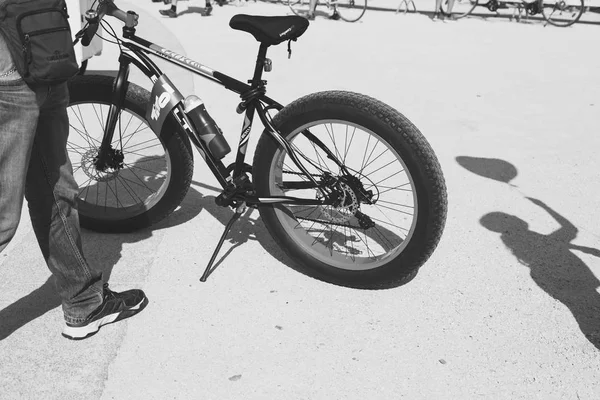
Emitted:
pixel 552 264
pixel 28 308
pixel 241 232
pixel 105 251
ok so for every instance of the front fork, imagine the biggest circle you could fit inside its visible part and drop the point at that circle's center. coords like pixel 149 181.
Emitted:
pixel 107 155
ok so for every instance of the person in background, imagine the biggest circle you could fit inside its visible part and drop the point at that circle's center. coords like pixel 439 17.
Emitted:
pixel 437 13
pixel 311 11
pixel 172 12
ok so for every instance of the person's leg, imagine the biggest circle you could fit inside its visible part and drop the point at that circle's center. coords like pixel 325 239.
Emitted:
pixel 51 193
pixel 311 9
pixel 18 119
pixel 207 9
pixel 170 12
pixel 438 6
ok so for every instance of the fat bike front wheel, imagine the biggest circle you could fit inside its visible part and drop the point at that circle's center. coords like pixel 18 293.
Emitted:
pixel 148 174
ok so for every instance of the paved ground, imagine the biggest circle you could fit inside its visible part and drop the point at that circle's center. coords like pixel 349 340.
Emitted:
pixel 507 308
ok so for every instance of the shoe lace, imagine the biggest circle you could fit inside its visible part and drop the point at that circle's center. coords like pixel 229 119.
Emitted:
pixel 107 292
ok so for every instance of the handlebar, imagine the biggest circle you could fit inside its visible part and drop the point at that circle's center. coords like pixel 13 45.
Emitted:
pixel 94 17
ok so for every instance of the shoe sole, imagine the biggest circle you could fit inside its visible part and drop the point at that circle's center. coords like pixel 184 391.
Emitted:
pixel 84 332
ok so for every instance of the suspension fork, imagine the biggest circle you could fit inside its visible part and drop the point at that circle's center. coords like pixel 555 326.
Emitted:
pixel 119 91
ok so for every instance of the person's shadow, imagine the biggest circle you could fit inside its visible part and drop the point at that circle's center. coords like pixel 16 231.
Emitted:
pixel 553 265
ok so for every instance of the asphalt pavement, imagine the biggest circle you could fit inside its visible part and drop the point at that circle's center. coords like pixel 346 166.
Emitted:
pixel 508 307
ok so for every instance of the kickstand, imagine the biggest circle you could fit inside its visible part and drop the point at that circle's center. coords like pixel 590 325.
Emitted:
pixel 238 213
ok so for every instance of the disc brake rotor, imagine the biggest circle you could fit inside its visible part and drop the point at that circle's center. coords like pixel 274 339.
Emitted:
pixel 348 205
pixel 89 168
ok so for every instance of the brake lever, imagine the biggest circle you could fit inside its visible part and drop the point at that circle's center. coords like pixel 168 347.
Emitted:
pixel 78 36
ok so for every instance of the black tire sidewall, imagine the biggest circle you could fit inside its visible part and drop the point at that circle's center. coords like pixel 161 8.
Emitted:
pixel 403 265
pixel 96 88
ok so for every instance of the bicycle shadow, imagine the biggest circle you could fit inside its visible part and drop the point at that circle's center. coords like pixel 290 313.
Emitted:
pixel 103 251
pixel 552 264
pixel 250 227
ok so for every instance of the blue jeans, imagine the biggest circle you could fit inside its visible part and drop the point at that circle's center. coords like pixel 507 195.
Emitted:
pixel 34 163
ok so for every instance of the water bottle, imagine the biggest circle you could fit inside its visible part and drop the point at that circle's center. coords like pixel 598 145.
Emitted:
pixel 206 127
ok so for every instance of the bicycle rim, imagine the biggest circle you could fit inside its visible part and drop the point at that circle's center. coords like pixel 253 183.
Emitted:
pixel 334 235
pixel 118 192
pixel 562 12
pixel 299 7
pixel 350 10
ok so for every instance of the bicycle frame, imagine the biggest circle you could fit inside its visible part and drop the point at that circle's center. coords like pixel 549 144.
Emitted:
pixel 517 5
pixel 253 100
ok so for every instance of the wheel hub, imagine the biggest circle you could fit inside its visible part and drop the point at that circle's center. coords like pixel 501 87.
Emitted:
pixel 346 206
pixel 88 165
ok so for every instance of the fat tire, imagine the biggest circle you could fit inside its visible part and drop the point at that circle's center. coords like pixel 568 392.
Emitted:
pixel 98 89
pixel 415 152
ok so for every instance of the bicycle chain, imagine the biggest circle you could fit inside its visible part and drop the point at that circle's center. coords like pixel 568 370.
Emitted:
pixel 319 220
pixel 299 173
pixel 327 222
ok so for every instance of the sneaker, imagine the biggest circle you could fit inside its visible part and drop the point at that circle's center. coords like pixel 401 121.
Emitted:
pixel 310 17
pixel 335 16
pixel 168 13
pixel 115 307
pixel 207 11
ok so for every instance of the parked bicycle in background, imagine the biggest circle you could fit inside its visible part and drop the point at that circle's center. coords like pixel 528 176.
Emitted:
pixel 561 13
pixel 348 10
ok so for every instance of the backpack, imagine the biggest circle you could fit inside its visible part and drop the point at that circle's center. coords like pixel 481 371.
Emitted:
pixel 38 36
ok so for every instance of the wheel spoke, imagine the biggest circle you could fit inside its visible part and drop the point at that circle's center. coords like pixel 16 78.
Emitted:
pixel 339 232
pixel 124 191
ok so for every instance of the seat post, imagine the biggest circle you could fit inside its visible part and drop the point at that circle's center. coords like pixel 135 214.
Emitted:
pixel 260 62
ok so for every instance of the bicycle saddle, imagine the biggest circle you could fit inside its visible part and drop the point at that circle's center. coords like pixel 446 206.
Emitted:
pixel 270 30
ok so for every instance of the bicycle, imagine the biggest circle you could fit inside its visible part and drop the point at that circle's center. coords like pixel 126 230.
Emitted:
pixel 560 13
pixel 346 185
pixel 348 10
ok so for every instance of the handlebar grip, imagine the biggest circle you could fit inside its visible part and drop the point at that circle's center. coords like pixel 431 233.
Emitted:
pixel 93 17
pixel 90 30
pixel 89 34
